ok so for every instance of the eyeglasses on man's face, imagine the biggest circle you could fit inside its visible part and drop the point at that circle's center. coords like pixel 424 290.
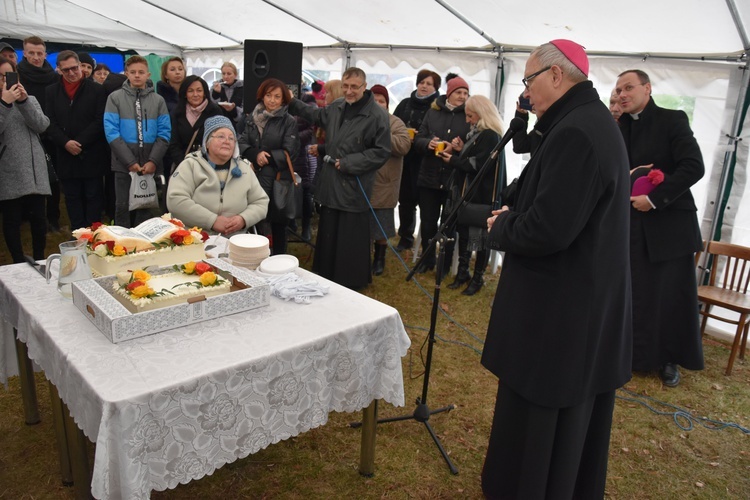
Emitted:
pixel 346 87
pixel 71 69
pixel 534 75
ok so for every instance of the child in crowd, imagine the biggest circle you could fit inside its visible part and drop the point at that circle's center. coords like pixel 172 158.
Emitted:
pixel 138 129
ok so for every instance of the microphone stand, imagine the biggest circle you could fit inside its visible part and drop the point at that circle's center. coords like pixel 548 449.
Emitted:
pixel 423 412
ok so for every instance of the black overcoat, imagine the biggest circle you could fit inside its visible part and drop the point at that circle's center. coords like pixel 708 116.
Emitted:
pixel 663 137
pixel 445 124
pixel 79 120
pixel 560 330
pixel 182 131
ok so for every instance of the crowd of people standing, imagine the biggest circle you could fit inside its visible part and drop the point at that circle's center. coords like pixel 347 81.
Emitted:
pixel 582 247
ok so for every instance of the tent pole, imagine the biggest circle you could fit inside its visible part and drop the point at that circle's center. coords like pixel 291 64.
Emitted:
pixel 741 31
pixel 468 23
pixel 499 77
pixel 733 139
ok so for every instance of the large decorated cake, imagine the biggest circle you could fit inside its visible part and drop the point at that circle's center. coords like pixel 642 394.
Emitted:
pixel 141 291
pixel 160 241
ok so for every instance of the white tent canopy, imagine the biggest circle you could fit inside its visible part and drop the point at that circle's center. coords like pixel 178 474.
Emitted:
pixel 693 48
pixel 667 27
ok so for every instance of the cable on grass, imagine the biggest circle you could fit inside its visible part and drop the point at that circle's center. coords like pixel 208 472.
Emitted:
pixel 419 285
pixel 682 418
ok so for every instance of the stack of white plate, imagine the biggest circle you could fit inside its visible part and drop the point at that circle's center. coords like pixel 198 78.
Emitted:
pixel 248 250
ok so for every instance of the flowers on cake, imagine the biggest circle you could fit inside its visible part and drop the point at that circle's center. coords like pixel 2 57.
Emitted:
pixel 159 232
pixel 136 285
pixel 206 274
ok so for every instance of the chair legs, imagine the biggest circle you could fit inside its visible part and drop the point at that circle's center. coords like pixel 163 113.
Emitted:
pixel 744 342
pixel 738 337
pixel 706 310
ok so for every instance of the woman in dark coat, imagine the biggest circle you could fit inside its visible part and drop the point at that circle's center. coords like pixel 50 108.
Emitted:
pixel 412 111
pixel 172 76
pixel 189 116
pixel 270 132
pixel 486 130
pixel 444 122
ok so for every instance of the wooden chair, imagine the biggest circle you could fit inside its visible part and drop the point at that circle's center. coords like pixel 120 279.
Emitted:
pixel 728 290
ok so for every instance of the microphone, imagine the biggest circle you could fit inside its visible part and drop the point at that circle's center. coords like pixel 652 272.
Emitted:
pixel 332 161
pixel 515 125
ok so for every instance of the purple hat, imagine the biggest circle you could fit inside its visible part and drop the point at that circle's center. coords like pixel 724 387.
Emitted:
pixel 574 52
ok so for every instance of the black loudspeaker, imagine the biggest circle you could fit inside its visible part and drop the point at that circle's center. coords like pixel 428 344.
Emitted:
pixel 271 59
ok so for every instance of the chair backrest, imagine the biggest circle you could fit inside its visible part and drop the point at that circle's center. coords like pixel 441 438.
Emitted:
pixel 735 261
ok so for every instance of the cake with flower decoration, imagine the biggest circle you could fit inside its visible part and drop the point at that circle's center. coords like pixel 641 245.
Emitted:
pixel 160 241
pixel 141 291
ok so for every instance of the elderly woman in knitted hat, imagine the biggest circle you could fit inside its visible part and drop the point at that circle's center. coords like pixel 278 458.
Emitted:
pixel 214 188
pixel 444 128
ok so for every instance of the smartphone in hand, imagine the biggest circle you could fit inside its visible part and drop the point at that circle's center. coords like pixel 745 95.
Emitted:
pixel 524 103
pixel 11 79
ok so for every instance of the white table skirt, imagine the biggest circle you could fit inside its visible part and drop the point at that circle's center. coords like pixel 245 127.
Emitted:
pixel 172 407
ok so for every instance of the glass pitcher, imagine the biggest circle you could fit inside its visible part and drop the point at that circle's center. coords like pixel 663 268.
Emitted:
pixel 74 266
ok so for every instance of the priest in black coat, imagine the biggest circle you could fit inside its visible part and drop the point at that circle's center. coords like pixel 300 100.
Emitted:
pixel 559 337
pixel 664 232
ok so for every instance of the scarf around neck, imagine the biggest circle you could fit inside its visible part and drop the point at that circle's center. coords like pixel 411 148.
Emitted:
pixel 71 88
pixel 193 113
pixel 261 115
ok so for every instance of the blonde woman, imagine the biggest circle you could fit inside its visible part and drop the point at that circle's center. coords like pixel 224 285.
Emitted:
pixel 486 129
pixel 229 93
pixel 172 76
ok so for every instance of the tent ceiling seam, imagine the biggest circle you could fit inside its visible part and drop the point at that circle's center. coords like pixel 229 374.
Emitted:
pixel 171 13
pixel 177 47
pixel 504 49
pixel 305 21
pixel 467 22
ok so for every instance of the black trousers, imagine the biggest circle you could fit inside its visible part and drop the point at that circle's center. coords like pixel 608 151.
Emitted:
pixel 408 198
pixel 536 452
pixel 13 210
pixel 83 199
pixel 342 249
pixel 431 206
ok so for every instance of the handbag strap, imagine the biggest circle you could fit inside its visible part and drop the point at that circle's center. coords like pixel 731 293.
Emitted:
pixel 190 144
pixel 291 169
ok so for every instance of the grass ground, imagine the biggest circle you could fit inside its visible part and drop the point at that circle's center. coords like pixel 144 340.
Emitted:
pixel 651 456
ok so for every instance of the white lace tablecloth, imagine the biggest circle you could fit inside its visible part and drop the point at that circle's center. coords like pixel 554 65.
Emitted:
pixel 173 407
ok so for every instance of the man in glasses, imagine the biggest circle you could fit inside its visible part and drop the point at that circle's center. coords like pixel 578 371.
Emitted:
pixel 664 232
pixel 358 142
pixel 559 337
pixel 75 107
pixel 36 74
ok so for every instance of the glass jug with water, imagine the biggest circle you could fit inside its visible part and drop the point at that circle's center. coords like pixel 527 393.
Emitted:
pixel 74 266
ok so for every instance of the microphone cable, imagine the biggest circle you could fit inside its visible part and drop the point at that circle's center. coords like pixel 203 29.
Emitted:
pixel 421 288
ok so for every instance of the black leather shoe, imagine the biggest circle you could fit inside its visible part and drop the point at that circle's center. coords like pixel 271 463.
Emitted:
pixel 423 268
pixel 473 287
pixel 670 375
pixel 404 245
pixel 459 281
